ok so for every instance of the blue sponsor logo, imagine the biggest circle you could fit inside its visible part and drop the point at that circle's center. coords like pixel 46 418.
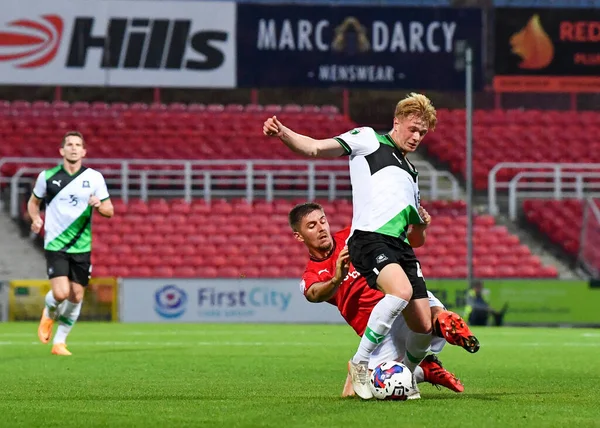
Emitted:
pixel 170 301
pixel 241 303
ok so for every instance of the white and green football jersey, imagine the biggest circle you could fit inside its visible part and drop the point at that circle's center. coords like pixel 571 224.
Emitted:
pixel 385 186
pixel 68 222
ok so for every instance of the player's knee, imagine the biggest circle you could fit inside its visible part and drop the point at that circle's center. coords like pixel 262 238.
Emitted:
pixel 60 295
pixel 403 293
pixel 399 291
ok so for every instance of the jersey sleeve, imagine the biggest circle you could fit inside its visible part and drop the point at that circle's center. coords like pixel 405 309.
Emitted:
pixel 359 141
pixel 101 189
pixel 39 190
pixel 311 277
pixel 308 279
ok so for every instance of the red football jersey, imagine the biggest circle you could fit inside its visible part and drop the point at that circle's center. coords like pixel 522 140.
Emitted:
pixel 354 298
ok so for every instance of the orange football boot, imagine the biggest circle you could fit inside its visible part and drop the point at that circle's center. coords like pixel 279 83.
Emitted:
pixel 45 327
pixel 438 375
pixel 455 330
pixel 60 349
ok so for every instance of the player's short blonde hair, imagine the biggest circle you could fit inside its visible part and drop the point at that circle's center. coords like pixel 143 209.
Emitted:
pixel 417 105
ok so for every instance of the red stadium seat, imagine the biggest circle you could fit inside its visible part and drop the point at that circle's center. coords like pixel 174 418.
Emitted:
pixel 101 271
pixel 550 219
pixel 185 272
pixel 271 272
pixel 163 272
pixel 140 272
pixel 229 272
pixel 207 272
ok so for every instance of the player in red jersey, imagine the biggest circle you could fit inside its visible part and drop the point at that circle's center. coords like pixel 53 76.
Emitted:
pixel 330 277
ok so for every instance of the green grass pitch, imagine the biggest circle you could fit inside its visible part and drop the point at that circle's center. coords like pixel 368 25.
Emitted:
pixel 199 375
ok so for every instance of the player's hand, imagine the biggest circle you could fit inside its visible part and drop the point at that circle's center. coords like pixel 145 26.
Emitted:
pixel 94 201
pixel 273 127
pixel 424 216
pixel 36 225
pixel 341 266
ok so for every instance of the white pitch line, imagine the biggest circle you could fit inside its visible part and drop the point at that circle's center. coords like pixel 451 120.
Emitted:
pixel 17 335
pixel 159 333
pixel 188 332
pixel 161 344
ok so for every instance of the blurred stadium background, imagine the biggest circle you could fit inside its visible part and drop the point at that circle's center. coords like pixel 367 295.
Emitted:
pixel 171 96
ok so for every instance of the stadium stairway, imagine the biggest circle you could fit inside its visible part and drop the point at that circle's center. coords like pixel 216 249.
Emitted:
pixel 19 259
pixel 444 184
pixel 539 247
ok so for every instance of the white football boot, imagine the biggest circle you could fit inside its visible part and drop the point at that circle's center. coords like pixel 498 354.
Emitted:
pixel 359 373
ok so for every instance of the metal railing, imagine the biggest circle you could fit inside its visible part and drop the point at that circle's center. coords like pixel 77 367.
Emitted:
pixel 588 255
pixel 208 179
pixel 567 180
pixel 576 189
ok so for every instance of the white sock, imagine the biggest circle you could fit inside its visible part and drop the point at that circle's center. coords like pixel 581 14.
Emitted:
pixel 382 317
pixel 51 303
pixel 417 347
pixel 419 374
pixel 67 317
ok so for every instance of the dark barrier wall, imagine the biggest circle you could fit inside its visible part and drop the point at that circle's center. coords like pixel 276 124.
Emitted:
pixel 356 47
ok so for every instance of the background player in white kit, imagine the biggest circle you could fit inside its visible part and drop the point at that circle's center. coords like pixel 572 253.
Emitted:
pixel 71 193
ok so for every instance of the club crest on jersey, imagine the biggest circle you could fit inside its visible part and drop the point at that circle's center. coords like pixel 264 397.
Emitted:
pixel 86 184
pixel 381 258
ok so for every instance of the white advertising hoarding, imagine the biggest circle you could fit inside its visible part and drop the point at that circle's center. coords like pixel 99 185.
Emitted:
pixel 220 301
pixel 118 43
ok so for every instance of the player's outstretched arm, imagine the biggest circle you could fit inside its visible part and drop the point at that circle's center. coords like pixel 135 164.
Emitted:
pixel 417 233
pixel 302 144
pixel 323 291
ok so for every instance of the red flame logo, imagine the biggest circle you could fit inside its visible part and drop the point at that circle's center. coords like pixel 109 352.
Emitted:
pixel 30 43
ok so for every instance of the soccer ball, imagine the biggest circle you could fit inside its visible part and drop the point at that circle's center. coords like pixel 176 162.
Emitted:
pixel 391 381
